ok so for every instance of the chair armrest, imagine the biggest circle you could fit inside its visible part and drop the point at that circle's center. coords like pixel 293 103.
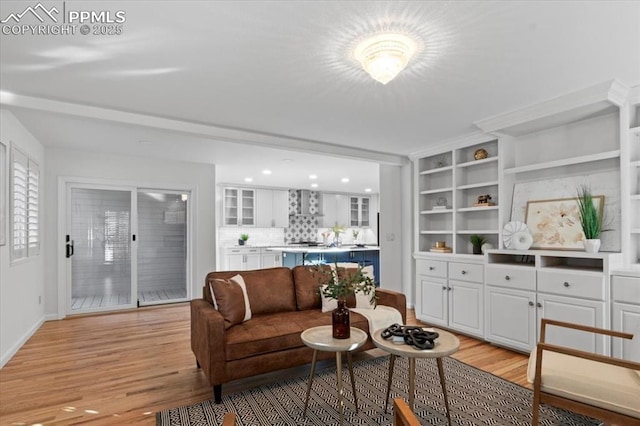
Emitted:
pixel 545 322
pixel 394 299
pixel 208 339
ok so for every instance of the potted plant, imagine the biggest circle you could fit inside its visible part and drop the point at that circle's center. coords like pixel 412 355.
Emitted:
pixel 337 230
pixel 477 241
pixel 338 284
pixel 590 219
pixel 243 239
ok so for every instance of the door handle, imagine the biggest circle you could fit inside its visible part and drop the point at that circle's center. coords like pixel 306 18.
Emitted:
pixel 69 249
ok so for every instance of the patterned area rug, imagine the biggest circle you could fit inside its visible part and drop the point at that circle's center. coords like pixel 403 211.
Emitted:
pixel 475 398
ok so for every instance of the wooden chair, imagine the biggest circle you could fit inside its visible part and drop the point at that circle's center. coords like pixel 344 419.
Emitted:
pixel 402 414
pixel 229 419
pixel 594 385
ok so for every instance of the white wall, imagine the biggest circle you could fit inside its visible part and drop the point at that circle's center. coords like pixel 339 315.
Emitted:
pixel 21 284
pixel 141 172
pixel 395 230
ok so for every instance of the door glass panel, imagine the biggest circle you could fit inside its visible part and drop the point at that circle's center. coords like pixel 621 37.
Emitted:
pixel 162 246
pixel 100 228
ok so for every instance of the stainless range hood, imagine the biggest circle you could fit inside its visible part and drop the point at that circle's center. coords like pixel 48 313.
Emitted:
pixel 303 204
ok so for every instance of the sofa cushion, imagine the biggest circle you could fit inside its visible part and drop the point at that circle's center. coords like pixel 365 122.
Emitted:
pixel 307 280
pixel 270 290
pixel 277 332
pixel 595 383
pixel 230 301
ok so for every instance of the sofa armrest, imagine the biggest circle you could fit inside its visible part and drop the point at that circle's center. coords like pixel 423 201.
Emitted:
pixel 208 340
pixel 394 299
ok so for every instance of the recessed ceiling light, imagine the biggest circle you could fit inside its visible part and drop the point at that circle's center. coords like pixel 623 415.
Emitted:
pixel 314 185
pixel 266 172
pixel 344 180
pixel 367 190
pixel 313 176
pixel 248 179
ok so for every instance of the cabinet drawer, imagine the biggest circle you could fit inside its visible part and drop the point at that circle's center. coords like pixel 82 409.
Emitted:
pixel 574 284
pixel 523 278
pixel 626 289
pixel 466 272
pixel 432 268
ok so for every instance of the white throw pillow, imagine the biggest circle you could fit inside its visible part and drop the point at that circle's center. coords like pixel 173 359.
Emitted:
pixel 363 301
pixel 328 303
pixel 247 308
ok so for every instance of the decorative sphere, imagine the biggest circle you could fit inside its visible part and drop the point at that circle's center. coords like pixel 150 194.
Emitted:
pixel 480 154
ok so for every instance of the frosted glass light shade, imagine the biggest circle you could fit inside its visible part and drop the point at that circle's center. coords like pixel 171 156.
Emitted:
pixel 383 56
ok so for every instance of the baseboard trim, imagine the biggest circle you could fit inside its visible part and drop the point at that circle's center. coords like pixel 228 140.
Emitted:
pixel 15 348
pixel 51 317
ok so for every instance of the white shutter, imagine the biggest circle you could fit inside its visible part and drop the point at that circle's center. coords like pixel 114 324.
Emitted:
pixel 19 204
pixel 33 209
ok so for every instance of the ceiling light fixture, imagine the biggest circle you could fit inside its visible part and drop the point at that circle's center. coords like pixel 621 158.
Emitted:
pixel 383 56
pixel 266 172
pixel 314 185
pixel 313 177
pixel 344 180
pixel 248 179
pixel 367 190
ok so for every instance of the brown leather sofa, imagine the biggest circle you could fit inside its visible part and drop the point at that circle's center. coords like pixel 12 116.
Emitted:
pixel 284 302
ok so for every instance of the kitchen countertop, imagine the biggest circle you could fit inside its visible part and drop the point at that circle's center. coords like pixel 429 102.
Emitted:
pixel 343 249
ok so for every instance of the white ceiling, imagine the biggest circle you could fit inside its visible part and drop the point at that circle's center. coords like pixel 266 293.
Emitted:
pixel 200 77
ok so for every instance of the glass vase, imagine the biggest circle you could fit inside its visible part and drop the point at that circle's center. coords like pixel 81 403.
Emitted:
pixel 340 321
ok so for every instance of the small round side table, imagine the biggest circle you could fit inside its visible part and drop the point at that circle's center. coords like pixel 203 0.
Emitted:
pixel 321 339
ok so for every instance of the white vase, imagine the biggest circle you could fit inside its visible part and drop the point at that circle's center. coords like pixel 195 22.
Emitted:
pixel 592 246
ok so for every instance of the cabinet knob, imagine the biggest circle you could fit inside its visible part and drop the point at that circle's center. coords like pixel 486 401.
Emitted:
pixel 463 272
pixel 507 277
pixel 444 287
pixel 431 268
pixel 531 303
pixel 449 288
pixel 539 305
pixel 566 284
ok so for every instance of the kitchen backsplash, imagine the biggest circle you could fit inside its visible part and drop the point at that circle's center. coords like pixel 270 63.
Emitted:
pixel 257 236
pixel 302 228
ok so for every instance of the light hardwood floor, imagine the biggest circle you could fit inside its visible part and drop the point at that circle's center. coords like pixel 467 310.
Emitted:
pixel 121 368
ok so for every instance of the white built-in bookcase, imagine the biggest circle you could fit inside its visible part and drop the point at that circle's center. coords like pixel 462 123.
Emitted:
pixel 563 141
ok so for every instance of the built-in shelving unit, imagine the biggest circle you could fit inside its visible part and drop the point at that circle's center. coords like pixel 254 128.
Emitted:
pixel 631 181
pixel 455 178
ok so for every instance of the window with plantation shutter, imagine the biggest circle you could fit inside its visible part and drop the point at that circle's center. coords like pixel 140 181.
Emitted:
pixel 25 226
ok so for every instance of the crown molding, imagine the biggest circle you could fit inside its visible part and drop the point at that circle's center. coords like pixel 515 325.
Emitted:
pixel 565 108
pixel 219 133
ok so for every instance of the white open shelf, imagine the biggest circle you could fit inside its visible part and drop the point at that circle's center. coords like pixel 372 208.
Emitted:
pixel 478 209
pixel 635 197
pixel 478 185
pixel 635 130
pixel 436 232
pixel 439 170
pixel 436 191
pixel 436 211
pixel 635 163
pixel 478 162
pixel 564 162
pixel 477 231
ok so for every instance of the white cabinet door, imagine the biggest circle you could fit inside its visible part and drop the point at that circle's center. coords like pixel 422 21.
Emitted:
pixel 264 208
pixel 252 260
pixel 432 300
pixel 248 207
pixel 235 261
pixel 578 311
pixel 626 318
pixel 466 303
pixel 510 317
pixel 230 205
pixel 271 260
pixel 335 208
pixel 280 208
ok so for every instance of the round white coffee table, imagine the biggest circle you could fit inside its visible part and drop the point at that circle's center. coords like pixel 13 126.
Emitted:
pixel 445 345
pixel 321 339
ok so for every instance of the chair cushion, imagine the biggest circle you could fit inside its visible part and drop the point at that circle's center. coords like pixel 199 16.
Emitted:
pixel 595 383
pixel 277 332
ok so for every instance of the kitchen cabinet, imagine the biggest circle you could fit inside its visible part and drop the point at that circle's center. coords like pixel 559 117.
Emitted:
pixel 243 259
pixel 626 315
pixel 450 294
pixel 272 208
pixel 335 210
pixel 359 212
pixel 270 259
pixel 238 206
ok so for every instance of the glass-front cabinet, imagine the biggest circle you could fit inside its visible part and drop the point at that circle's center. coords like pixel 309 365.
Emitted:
pixel 359 211
pixel 239 207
